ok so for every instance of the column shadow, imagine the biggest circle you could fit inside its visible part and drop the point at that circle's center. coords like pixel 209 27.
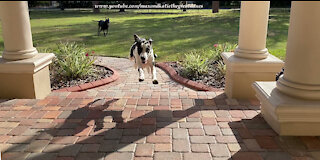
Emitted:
pixel 258 141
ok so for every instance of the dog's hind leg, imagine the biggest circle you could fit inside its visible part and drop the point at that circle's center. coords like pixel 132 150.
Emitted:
pixel 141 74
pixel 154 75
pixel 99 31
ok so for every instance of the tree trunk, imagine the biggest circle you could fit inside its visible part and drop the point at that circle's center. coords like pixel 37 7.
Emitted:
pixel 61 5
pixel 95 10
pixel 215 6
pixel 185 3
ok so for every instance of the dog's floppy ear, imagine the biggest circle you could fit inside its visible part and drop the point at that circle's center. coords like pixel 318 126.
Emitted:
pixel 136 38
pixel 150 41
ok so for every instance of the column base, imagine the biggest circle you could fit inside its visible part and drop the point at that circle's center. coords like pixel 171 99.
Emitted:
pixel 304 91
pixel 19 55
pixel 28 78
pixel 251 54
pixel 241 73
pixel 288 116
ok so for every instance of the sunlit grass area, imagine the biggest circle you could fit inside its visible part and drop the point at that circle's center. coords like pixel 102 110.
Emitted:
pixel 173 32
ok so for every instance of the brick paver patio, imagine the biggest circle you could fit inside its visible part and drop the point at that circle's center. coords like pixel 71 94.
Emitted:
pixel 138 120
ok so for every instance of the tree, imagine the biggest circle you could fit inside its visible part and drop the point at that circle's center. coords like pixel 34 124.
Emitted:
pixel 215 6
pixel 184 3
pixel 95 10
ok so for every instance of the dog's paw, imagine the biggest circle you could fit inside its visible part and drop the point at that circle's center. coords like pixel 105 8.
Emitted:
pixel 140 80
pixel 155 81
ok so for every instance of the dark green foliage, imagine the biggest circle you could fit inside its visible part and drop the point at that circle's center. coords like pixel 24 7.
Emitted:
pixel 196 63
pixel 72 61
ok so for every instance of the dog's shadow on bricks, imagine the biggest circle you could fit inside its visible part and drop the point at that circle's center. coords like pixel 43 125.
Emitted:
pixel 146 123
pixel 91 115
pixel 252 132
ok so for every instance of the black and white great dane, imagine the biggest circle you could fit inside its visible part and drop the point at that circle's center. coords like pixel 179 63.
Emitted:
pixel 142 53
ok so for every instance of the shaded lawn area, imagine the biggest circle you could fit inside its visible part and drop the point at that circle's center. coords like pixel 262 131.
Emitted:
pixel 174 32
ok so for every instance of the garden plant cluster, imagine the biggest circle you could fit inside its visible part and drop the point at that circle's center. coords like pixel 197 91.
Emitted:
pixel 205 65
pixel 74 65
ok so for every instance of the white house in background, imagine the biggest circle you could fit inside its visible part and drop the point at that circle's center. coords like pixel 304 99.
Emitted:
pixel 54 3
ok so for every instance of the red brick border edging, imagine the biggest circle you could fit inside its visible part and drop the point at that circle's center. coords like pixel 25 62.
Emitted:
pixel 93 84
pixel 189 83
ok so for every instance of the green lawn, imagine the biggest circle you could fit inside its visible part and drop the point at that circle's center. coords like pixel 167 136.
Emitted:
pixel 174 32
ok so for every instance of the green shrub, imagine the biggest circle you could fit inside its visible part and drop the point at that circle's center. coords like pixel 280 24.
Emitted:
pixel 194 65
pixel 207 53
pixel 222 69
pixel 72 61
pixel 44 50
pixel 219 48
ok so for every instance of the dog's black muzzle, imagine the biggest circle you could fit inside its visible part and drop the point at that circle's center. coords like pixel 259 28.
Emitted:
pixel 143 60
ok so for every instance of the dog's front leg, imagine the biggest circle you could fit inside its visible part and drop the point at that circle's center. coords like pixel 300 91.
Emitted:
pixel 141 74
pixel 154 75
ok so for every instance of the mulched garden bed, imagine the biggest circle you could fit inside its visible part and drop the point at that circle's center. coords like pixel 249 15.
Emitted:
pixel 58 82
pixel 211 79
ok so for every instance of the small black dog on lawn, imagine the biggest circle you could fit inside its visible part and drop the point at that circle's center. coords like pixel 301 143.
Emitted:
pixel 103 26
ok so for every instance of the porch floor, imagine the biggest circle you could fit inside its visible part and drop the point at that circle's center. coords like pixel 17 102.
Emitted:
pixel 128 119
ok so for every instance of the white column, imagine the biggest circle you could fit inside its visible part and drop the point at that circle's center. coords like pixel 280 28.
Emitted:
pixel 291 106
pixel 302 65
pixel 16 30
pixel 251 61
pixel 254 17
pixel 23 72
